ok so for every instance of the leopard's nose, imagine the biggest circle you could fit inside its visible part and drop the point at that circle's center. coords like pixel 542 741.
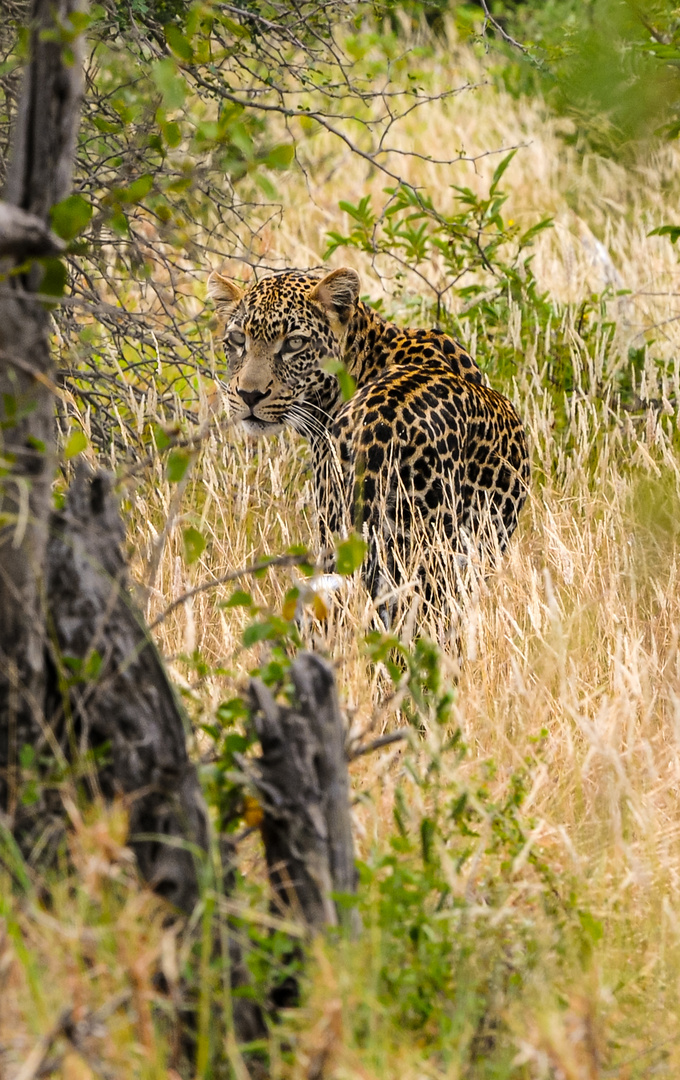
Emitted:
pixel 252 397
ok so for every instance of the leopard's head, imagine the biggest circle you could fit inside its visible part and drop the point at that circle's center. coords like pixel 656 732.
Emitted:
pixel 278 335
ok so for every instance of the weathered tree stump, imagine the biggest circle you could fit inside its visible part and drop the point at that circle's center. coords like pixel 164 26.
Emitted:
pixel 303 784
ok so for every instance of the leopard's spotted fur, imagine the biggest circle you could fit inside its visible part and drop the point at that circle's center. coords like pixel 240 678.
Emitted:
pixel 423 443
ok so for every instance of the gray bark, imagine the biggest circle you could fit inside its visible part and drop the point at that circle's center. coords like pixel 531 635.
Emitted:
pixel 39 176
pixel 23 235
pixel 303 783
pixel 123 703
pixel 48 116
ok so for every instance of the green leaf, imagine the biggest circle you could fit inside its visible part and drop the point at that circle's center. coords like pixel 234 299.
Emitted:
pixel 444 706
pixel 346 381
pixel 274 672
pixel 280 157
pixel 194 544
pixel 265 185
pixel 427 831
pixel 93 666
pixel 161 437
pixel 336 240
pixel 54 277
pixel 176 187
pixel 229 712
pixel 106 126
pixel 545 223
pixel 75 444
pixel 671 231
pixel 500 169
pixel 79 20
pixel 592 927
pixel 362 212
pixel 241 138
pixel 350 554
pixel 239 598
pixel 171 133
pixel 70 216
pixel 12 858
pixel 260 631
pixel 170 83
pixel 233 27
pixel 135 191
pixel 119 223
pixel 178 463
pixel 235 743
pixel 178 43
pixel 665 52
pixel 27 756
pixel 207 131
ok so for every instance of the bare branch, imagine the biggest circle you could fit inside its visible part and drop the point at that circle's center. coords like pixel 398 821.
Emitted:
pixel 378 744
pixel 488 17
pixel 234 575
pixel 22 234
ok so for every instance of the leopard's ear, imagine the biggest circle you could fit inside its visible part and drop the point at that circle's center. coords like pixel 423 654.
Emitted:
pixel 337 293
pixel 225 293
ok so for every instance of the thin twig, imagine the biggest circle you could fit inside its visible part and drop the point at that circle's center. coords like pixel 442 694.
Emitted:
pixel 377 744
pixel 504 34
pixel 66 1026
pixel 234 575
pixel 31 1067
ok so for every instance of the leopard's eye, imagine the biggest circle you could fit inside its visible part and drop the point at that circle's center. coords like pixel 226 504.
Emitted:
pixel 236 337
pixel 295 342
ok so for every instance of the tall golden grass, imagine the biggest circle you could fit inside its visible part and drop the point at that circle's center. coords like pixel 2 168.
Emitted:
pixel 576 635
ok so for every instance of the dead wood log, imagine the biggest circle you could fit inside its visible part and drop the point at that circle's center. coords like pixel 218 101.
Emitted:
pixel 303 784
pixel 108 712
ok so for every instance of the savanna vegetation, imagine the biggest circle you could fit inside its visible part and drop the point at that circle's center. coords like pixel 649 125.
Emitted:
pixel 511 172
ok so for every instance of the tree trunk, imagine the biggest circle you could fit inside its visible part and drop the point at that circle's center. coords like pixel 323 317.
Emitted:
pixel 39 176
pixel 121 704
pixel 80 679
pixel 303 783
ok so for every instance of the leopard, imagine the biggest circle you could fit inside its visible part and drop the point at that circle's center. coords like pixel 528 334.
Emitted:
pixel 422 457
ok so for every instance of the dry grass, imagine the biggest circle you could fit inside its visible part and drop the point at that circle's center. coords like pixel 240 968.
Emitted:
pixel 576 635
